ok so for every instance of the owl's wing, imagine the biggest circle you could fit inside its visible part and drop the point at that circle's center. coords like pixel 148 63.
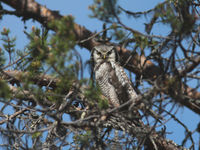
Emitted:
pixel 125 82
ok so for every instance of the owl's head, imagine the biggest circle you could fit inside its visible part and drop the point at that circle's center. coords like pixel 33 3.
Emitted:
pixel 104 53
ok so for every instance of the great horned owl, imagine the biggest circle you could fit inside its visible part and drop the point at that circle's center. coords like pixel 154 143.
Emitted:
pixel 110 76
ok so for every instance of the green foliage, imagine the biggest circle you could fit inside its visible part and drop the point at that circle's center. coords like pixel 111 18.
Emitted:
pixel 5 90
pixel 53 50
pixel 62 87
pixel 118 33
pixel 105 10
pixel 2 59
pixel 64 29
pixel 84 139
pixel 38 50
pixel 93 94
pixel 177 14
pixel 141 41
pixel 62 43
pixel 52 53
pixel 103 103
pixel 9 43
pixel 38 45
pixel 36 134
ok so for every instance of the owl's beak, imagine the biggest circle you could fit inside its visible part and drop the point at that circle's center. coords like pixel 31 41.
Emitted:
pixel 104 56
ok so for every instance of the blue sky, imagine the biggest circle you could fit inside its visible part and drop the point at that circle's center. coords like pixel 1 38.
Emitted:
pixel 79 9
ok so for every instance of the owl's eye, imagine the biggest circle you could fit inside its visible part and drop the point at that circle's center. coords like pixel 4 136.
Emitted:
pixel 98 53
pixel 108 53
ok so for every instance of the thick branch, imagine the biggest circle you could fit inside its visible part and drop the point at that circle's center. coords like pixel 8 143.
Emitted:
pixel 15 76
pixel 190 67
pixel 28 96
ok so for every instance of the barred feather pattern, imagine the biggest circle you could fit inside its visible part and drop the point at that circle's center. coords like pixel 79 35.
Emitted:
pixel 112 88
pixel 102 76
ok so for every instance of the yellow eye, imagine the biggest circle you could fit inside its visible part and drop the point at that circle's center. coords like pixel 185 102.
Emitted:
pixel 108 53
pixel 98 53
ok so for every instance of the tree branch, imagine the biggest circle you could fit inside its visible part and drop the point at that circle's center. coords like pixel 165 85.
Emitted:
pixel 15 76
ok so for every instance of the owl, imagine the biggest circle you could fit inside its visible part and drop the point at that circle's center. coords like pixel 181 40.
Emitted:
pixel 110 76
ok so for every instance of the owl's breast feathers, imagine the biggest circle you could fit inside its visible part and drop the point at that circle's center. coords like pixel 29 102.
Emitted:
pixel 114 83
